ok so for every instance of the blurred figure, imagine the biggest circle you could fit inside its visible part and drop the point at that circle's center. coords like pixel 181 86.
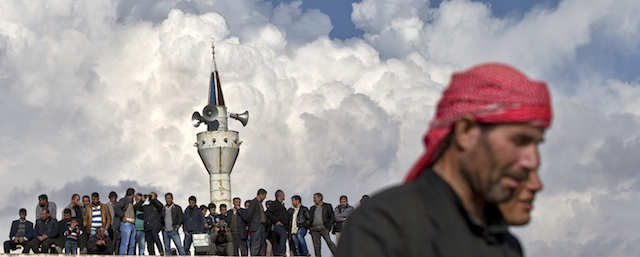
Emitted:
pixel 140 238
pixel 517 211
pixel 20 234
pixel 152 221
pixel 480 146
pixel 279 217
pixel 237 221
pixel 342 212
pixel 113 230
pixel 125 220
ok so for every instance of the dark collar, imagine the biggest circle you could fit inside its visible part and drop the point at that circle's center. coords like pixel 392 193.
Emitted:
pixel 495 228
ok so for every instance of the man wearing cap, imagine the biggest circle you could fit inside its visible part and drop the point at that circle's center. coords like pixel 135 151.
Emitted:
pixel 481 145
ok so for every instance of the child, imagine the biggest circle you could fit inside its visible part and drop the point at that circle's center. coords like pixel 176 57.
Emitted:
pixel 72 234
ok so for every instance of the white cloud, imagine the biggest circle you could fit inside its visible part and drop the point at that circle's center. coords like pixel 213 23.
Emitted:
pixel 105 89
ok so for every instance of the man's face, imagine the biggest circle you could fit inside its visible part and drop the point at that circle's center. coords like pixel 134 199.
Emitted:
pixel 223 209
pixel 204 212
pixel 113 200
pixel 295 203
pixel 42 202
pixel 246 205
pixel 500 158
pixel 44 215
pixel 101 232
pixel 343 202
pixel 261 197
pixel 236 203
pixel 76 201
pixel 517 210
pixel 169 200
pixel 138 198
pixel 23 216
pixel 212 211
pixel 95 199
pixel 67 216
pixel 316 199
pixel 192 203
pixel 86 201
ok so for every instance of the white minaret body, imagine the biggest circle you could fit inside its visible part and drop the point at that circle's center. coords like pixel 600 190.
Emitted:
pixel 218 147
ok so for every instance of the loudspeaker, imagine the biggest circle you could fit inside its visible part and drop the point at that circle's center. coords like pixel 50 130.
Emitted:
pixel 196 119
pixel 243 117
pixel 210 113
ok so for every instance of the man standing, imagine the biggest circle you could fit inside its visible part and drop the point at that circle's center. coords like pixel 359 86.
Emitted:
pixel 257 220
pixel 279 217
pixel 125 219
pixel 342 212
pixel 300 223
pixel 481 145
pixel 114 229
pixel 237 220
pixel 45 233
pixel 20 234
pixel 322 220
pixel 173 219
pixel 140 241
pixel 193 223
pixel 97 215
pixel 152 215
pixel 43 203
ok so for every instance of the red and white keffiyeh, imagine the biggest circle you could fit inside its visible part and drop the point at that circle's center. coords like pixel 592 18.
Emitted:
pixel 492 93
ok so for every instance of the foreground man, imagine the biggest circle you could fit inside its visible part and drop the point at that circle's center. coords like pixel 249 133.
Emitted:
pixel 481 145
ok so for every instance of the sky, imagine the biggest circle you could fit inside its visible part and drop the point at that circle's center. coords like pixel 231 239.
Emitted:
pixel 98 95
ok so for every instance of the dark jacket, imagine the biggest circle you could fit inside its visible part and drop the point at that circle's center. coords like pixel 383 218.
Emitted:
pixel 94 239
pixel 436 225
pixel 328 217
pixel 119 209
pixel 177 216
pixel 62 226
pixel 153 214
pixel 277 212
pixel 49 228
pixel 193 220
pixel 28 229
pixel 241 222
pixel 254 214
pixel 303 220
pixel 341 214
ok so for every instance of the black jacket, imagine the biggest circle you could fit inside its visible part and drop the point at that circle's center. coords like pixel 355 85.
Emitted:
pixel 328 217
pixel 177 217
pixel 436 224
pixel 277 212
pixel 28 229
pixel 49 228
pixel 241 222
pixel 119 209
pixel 94 239
pixel 254 214
pixel 303 220
pixel 153 214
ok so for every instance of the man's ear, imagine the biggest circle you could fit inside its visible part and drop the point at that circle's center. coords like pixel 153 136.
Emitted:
pixel 465 131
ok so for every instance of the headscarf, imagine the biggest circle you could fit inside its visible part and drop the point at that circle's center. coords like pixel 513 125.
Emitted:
pixel 492 93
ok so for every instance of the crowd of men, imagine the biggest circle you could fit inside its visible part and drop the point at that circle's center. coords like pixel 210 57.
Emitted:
pixel 477 176
pixel 89 226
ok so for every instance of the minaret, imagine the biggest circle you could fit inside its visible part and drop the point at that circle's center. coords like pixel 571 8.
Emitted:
pixel 218 147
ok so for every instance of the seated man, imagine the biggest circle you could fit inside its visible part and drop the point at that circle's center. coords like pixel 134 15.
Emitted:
pixel 63 225
pixel 100 243
pixel 221 240
pixel 45 233
pixel 20 234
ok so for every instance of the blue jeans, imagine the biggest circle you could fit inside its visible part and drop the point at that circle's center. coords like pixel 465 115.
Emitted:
pixel 71 246
pixel 128 238
pixel 140 241
pixel 188 239
pixel 167 237
pixel 299 242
